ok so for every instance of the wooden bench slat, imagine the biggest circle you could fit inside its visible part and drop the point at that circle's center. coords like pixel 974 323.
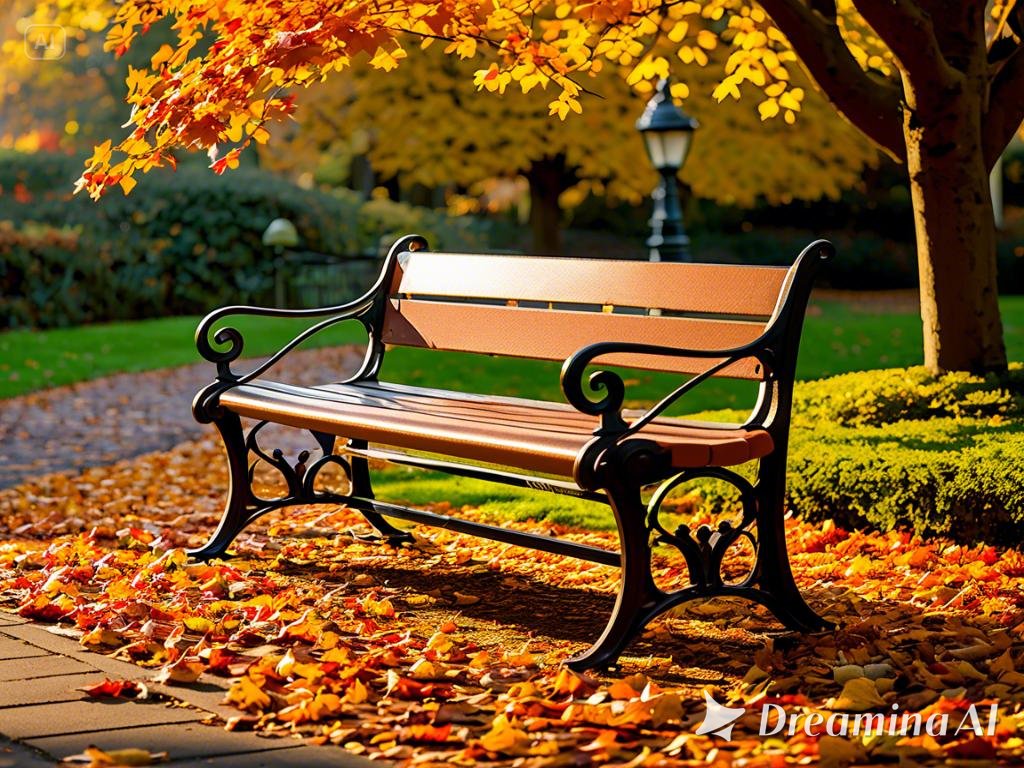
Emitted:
pixel 556 334
pixel 556 417
pixel 549 443
pixel 724 289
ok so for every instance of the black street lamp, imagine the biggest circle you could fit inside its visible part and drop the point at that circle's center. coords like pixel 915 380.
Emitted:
pixel 667 133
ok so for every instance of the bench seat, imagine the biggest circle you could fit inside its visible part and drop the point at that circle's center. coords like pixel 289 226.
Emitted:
pixel 531 435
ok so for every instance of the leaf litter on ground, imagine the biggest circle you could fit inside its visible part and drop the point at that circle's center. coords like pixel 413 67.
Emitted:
pixel 448 651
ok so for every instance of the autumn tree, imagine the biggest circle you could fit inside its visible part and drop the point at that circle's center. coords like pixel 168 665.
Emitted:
pixel 939 84
pixel 72 90
pixel 596 152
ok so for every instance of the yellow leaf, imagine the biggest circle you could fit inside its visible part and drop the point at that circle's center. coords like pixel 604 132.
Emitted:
pixel 726 88
pixel 768 108
pixel 859 695
pixel 678 32
pixel 122 757
pixel 184 670
pixel 789 101
pixel 707 39
pixel 356 693
pixel 680 90
pixel 423 670
pixel 161 56
pixel 521 660
pixel 246 695
pixel 503 737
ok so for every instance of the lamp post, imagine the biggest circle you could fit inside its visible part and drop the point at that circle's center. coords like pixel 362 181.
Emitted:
pixel 667 133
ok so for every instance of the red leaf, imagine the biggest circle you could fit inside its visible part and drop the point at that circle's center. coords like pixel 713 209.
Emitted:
pixel 116 689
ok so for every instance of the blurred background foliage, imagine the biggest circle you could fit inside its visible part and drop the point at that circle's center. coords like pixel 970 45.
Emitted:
pixel 375 155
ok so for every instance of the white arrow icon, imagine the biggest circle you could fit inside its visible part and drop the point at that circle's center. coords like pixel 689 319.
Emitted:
pixel 719 720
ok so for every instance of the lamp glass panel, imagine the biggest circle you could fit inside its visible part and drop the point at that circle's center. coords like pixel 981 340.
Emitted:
pixel 674 146
pixel 653 140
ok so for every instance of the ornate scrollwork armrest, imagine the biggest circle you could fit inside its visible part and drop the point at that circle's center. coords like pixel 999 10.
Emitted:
pixel 609 407
pixel 232 337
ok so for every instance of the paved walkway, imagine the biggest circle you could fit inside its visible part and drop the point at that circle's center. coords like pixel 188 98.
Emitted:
pixel 98 422
pixel 44 717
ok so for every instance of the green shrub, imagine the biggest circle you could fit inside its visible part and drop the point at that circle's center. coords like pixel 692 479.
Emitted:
pixel 902 448
pixel 882 397
pixel 36 281
pixel 183 242
pixel 955 477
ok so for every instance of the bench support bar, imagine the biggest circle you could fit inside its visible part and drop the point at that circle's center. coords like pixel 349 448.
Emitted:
pixel 481 473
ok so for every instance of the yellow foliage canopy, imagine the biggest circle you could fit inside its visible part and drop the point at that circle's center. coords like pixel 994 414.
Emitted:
pixel 255 56
pixel 236 65
pixel 424 124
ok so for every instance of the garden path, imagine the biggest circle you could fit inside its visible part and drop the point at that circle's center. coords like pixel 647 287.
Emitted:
pixel 94 423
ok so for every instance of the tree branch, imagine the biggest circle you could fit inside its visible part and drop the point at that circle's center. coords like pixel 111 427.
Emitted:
pixel 872 104
pixel 908 31
pixel 1005 112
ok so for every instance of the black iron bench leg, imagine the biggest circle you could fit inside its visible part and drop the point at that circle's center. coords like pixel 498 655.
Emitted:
pixel 639 600
pixel 238 511
pixel 770 581
pixel 363 488
pixel 775 576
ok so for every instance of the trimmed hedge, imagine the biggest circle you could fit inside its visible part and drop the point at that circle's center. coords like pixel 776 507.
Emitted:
pixel 182 243
pixel 877 398
pixel 904 449
pixel 37 279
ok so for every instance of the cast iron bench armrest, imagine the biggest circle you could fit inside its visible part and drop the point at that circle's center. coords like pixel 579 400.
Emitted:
pixel 353 310
pixel 609 407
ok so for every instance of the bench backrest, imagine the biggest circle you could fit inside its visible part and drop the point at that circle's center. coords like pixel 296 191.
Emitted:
pixel 548 308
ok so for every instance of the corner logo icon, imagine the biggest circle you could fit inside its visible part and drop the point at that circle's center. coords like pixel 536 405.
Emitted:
pixel 719 720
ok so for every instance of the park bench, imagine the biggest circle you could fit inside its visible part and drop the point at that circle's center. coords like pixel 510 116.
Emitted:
pixel 696 320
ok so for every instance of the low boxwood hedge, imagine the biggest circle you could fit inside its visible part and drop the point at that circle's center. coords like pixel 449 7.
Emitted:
pixel 901 448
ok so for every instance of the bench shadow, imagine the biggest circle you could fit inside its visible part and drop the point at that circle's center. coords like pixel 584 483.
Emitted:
pixel 514 608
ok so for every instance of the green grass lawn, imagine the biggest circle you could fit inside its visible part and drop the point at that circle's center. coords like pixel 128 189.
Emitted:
pixel 837 338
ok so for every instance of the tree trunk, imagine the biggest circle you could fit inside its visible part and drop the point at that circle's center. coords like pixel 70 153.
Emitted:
pixel 547 178
pixel 956 237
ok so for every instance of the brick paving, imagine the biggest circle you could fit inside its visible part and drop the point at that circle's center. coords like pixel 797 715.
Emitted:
pixel 45 717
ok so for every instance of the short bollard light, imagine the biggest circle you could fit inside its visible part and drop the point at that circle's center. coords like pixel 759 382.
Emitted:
pixel 279 235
